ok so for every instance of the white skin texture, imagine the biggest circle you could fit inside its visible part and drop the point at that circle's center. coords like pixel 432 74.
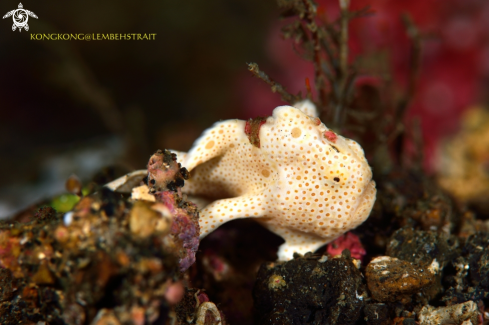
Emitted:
pixel 304 186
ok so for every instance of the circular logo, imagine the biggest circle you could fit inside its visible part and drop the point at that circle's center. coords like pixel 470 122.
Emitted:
pixel 20 17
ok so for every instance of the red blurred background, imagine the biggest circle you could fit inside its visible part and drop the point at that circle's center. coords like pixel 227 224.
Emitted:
pixel 453 70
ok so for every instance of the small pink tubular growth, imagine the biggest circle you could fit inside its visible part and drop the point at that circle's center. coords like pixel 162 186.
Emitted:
pixel 252 130
pixel 331 136
pixel 248 127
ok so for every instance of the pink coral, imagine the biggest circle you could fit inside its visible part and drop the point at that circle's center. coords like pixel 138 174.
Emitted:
pixel 347 241
pixel 185 226
pixel 165 178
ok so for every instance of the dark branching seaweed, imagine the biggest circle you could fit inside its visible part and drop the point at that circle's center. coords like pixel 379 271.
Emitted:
pixel 368 113
pixel 276 87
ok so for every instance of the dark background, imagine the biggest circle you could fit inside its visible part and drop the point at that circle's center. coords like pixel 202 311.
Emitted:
pixel 75 106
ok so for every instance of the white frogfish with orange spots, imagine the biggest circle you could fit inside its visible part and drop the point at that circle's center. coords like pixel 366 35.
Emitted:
pixel 290 172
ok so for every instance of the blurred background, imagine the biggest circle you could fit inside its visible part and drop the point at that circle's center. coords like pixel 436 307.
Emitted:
pixel 77 106
pixel 74 107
